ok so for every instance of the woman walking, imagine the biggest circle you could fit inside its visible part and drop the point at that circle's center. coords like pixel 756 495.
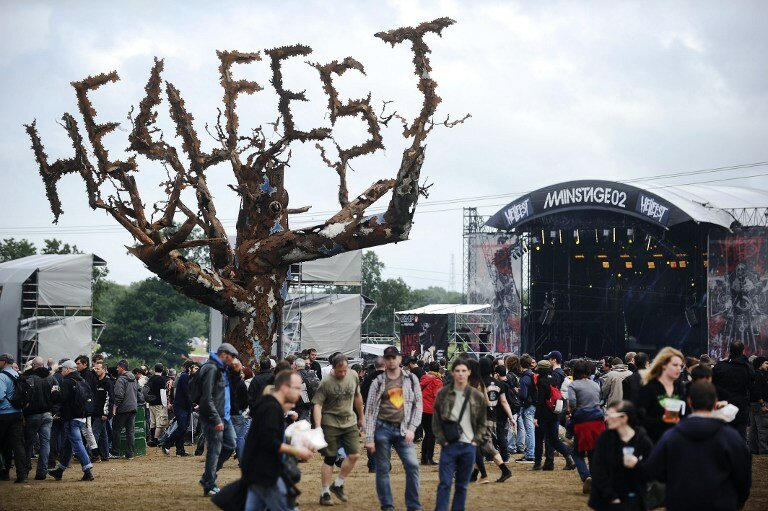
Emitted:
pixel 619 483
pixel 660 385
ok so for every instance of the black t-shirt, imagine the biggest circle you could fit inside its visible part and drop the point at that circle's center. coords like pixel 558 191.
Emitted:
pixel 494 389
pixel 156 384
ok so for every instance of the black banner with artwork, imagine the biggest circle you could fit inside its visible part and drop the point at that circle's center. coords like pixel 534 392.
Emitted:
pixel 420 332
pixel 738 291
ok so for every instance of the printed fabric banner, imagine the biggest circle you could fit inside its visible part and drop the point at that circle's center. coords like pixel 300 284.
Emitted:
pixel 737 284
pixel 495 278
pixel 419 332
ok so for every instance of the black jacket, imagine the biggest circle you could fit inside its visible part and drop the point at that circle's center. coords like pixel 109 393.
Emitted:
pixel 40 381
pixel 261 459
pixel 733 379
pixel 212 389
pixel 706 465
pixel 258 384
pixel 650 407
pixel 56 379
pixel 66 397
pixel 630 387
pixel 238 393
pixel 104 397
pixel 759 388
pixel 366 385
pixel 610 478
pixel 543 392
pixel 90 376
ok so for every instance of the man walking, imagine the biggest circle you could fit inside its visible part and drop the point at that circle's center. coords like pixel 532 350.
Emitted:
pixel 158 413
pixel 314 364
pixel 102 410
pixel 336 403
pixel 124 408
pixel 526 441
pixel 182 409
pixel 265 446
pixel 758 408
pixel 73 394
pixel 733 379
pixel 612 390
pixel 215 420
pixel 82 363
pixel 392 414
pixel 11 421
pixel 705 464
pixel 37 416
pixel 458 422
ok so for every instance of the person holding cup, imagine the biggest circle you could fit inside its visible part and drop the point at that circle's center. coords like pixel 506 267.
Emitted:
pixel 662 395
pixel 618 482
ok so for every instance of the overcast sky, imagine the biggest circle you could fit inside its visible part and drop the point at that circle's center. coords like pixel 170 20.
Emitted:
pixel 557 91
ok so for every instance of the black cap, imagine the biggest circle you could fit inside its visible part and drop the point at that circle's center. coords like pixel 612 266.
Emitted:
pixel 391 351
pixel 556 355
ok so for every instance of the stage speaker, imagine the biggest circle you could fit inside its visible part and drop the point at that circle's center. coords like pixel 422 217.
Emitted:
pixel 690 316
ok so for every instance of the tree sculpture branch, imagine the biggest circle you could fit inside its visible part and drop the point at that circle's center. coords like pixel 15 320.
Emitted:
pixel 247 281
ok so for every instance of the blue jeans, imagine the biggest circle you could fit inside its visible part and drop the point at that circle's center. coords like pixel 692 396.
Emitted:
pixel 242 424
pixel 387 436
pixel 99 427
pixel 74 431
pixel 525 424
pixel 456 461
pixel 581 464
pixel 38 424
pixel 220 445
pixel 273 498
pixel 177 437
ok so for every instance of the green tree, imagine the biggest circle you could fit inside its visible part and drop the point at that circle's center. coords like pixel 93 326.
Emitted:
pixel 435 294
pixel 152 322
pixel 54 246
pixel 11 249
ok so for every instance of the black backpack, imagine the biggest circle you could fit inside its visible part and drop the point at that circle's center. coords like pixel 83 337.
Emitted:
pixel 311 381
pixel 22 391
pixel 84 401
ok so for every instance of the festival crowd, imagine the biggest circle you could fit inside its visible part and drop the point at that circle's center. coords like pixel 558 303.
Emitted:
pixel 673 431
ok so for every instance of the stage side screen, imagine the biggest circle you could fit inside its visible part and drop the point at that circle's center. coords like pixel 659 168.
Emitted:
pixel 496 278
pixel 738 291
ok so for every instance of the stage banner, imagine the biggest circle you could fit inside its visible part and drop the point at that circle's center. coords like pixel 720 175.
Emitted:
pixel 494 277
pixel 420 332
pixel 737 305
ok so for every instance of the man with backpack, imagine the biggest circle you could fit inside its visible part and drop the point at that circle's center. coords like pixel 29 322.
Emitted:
pixel 309 384
pixel 37 416
pixel 12 401
pixel 211 390
pixel 124 408
pixel 527 395
pixel 77 403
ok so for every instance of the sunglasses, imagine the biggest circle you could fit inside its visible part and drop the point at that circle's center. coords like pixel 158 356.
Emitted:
pixel 615 415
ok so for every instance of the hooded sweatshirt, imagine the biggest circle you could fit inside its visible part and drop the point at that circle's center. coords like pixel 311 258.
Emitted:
pixel 38 379
pixel 705 463
pixel 125 393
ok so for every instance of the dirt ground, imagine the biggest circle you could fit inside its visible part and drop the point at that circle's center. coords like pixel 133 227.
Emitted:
pixel 161 483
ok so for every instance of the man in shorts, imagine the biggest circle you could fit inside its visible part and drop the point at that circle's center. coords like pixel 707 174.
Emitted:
pixel 338 411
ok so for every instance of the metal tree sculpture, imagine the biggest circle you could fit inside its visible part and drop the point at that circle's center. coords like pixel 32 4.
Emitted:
pixel 246 282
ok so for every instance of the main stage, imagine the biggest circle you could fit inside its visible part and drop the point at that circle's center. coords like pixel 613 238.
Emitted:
pixel 595 267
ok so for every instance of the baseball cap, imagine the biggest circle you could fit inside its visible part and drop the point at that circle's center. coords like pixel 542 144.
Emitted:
pixel 227 348
pixel 556 355
pixel 7 358
pixel 391 351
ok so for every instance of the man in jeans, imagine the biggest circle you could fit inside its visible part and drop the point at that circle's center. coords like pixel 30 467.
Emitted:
pixel 392 414
pixel 215 419
pixel 182 409
pixel 458 456
pixel 124 408
pixel 11 422
pixel 73 420
pixel 102 410
pixel 525 418
pixel 37 416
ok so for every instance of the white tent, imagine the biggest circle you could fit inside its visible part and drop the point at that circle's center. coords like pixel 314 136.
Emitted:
pixel 45 289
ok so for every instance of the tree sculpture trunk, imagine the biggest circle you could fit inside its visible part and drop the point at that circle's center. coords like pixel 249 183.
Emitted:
pixel 247 281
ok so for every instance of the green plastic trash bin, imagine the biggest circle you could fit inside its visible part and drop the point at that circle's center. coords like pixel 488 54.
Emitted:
pixel 139 435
